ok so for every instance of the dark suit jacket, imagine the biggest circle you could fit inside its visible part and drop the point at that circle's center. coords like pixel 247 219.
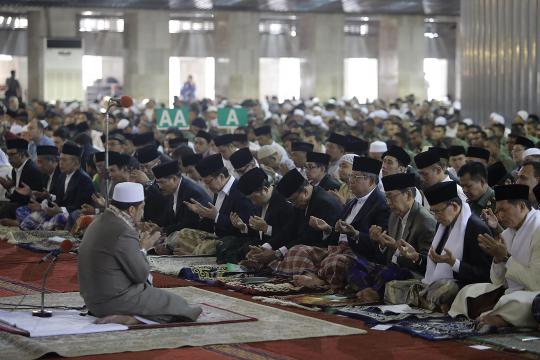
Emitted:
pixel 321 205
pixel 236 202
pixel 184 218
pixel 79 191
pixel 419 232
pixel 373 212
pixel 328 182
pixel 155 205
pixel 475 264
pixel 30 176
pixel 279 216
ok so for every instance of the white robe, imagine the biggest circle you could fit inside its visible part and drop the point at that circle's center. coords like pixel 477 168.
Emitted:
pixel 520 277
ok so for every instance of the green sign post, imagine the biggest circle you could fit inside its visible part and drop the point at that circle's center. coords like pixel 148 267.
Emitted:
pixel 172 118
pixel 232 117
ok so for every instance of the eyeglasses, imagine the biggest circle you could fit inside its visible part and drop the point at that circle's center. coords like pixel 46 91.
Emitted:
pixel 438 211
pixel 357 177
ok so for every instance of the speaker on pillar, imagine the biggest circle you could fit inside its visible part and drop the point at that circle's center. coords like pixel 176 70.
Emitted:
pixel 62 69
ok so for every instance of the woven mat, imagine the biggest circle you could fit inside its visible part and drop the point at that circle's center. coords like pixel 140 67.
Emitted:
pixel 372 314
pixel 437 329
pixel 171 265
pixel 272 324
pixel 514 342
pixel 261 286
pixel 35 236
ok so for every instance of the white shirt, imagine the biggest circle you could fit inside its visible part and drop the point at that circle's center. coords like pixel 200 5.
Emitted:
pixel 176 196
pixel 66 183
pixel 222 194
pixel 354 211
pixel 18 173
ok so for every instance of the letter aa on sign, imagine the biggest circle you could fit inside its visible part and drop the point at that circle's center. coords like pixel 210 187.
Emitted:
pixel 179 121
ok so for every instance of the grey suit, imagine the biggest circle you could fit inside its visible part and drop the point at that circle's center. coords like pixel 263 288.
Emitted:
pixel 419 232
pixel 113 275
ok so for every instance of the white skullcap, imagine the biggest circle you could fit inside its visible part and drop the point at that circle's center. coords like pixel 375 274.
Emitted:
pixel 316 100
pixel 457 105
pixel 440 121
pixel 128 192
pixel 16 129
pixel 44 123
pixel 395 112
pixel 364 110
pixel 299 112
pixel 382 114
pixel 122 124
pixel 308 103
pixel 340 103
pixel 499 119
pixel 317 109
pixel 211 108
pixel 523 114
pixel 531 151
pixel 348 158
pixel 378 147
pixel 468 121
pixel 266 151
pixel 350 121
pixel 287 106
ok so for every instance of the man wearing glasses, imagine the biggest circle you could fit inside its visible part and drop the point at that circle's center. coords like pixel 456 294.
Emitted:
pixel 455 258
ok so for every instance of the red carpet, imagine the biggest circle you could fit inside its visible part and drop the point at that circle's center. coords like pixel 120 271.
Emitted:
pixel 19 265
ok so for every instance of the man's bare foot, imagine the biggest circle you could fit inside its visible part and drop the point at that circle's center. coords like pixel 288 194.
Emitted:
pixel 118 319
pixel 310 281
pixel 368 295
pixel 493 321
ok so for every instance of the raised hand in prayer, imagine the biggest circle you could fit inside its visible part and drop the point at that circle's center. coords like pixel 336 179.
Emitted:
pixel 375 232
pixel 319 224
pixel 253 250
pixel 237 222
pixel 494 247
pixel 138 176
pixel 41 195
pixel 88 209
pixel 490 218
pixel 6 183
pixel 447 257
pixel 257 223
pixel 53 210
pixel 209 212
pixel 343 228
pixel 408 251
pixel 147 239
pixel 99 200
pixel 388 241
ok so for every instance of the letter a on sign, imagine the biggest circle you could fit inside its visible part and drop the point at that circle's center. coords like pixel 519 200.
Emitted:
pixel 232 119
pixel 177 118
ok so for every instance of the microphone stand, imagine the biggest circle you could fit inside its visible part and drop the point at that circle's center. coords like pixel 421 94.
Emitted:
pixel 42 313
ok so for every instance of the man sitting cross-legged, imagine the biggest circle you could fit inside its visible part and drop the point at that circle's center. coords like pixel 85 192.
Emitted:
pixel 329 265
pixel 515 271
pixel 454 260
pixel 409 223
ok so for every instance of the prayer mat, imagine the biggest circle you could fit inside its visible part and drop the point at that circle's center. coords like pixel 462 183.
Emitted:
pixel 261 286
pixel 438 329
pixel 322 300
pixel 273 324
pixel 171 265
pixel 373 314
pixel 204 273
pixel 9 287
pixel 517 342
pixel 6 230
pixel 34 236
pixel 245 352
pixel 73 322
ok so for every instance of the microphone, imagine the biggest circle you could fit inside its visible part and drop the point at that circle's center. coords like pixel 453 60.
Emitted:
pixel 124 101
pixel 65 246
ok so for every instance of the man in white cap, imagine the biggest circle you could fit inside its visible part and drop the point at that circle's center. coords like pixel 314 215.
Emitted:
pixel 114 274
pixel 377 149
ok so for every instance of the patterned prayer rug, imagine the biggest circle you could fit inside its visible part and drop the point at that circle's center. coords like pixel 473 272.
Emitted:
pixel 32 236
pixel 372 314
pixel 273 324
pixel 172 265
pixel 261 286
pixel 523 341
pixel 322 300
pixel 437 329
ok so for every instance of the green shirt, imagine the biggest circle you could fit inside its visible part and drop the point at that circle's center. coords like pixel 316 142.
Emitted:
pixel 486 201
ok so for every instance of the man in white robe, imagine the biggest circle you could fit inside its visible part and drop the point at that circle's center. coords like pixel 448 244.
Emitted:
pixel 515 268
